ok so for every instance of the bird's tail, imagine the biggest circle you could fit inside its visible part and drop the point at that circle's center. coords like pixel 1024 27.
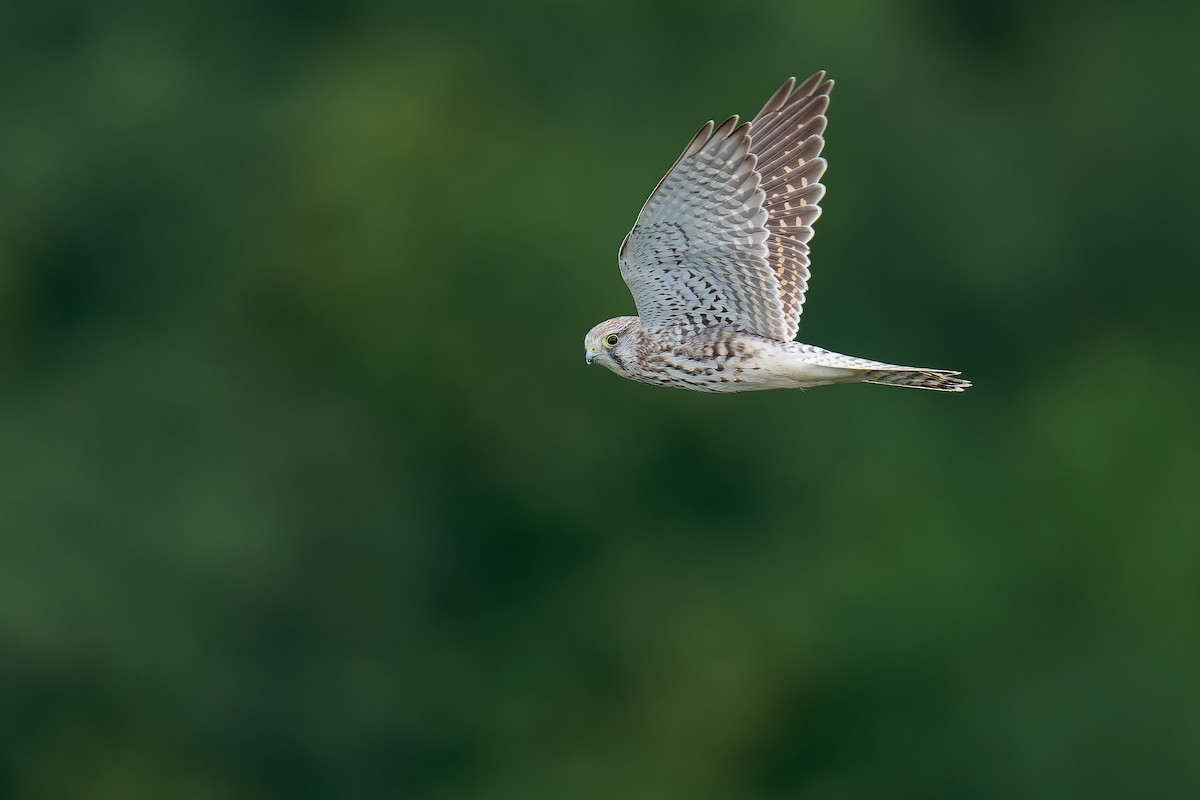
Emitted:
pixel 838 368
pixel 939 380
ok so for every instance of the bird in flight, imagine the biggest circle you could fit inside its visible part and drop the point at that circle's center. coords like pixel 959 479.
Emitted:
pixel 718 264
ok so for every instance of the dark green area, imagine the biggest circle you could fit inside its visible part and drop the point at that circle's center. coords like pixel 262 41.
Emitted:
pixel 306 492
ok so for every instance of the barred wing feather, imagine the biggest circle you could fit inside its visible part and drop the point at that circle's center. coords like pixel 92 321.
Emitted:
pixel 786 136
pixel 722 241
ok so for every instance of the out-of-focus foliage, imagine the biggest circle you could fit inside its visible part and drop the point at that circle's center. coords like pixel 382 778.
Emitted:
pixel 306 492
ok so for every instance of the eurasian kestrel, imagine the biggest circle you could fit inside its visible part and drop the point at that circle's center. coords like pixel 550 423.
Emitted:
pixel 718 264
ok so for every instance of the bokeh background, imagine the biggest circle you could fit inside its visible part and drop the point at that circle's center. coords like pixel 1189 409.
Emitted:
pixel 306 492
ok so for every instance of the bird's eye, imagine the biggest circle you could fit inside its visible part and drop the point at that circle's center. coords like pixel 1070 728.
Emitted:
pixel 611 340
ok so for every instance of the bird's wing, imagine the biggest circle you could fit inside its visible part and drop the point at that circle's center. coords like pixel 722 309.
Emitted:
pixel 706 250
pixel 697 255
pixel 786 139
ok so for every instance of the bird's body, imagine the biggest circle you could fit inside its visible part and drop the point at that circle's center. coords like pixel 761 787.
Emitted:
pixel 718 264
pixel 720 359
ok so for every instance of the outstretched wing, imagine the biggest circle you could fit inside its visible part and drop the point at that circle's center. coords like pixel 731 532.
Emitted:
pixel 786 138
pixel 712 246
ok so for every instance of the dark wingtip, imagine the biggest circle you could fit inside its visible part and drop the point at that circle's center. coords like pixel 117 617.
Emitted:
pixel 699 140
pixel 810 84
pixel 780 97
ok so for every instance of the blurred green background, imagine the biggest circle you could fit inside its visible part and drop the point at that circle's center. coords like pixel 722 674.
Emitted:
pixel 306 492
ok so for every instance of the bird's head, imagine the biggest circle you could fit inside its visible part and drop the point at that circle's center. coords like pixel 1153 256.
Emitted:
pixel 614 343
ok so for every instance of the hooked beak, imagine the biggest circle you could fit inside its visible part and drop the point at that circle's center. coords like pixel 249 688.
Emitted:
pixel 591 356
